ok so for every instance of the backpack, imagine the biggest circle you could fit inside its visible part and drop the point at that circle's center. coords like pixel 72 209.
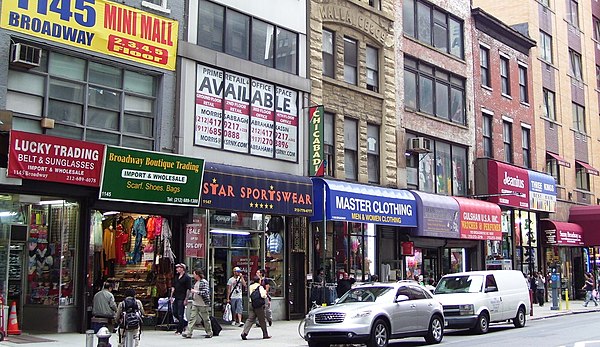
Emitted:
pixel 131 314
pixel 257 299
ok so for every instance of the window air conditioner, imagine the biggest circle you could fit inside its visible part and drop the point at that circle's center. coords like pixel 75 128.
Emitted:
pixel 25 55
pixel 419 145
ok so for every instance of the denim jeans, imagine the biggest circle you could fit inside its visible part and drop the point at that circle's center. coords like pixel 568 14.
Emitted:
pixel 179 313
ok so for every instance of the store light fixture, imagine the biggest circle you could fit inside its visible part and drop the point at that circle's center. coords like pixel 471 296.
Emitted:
pixel 7 214
pixel 230 232
pixel 51 202
pixel 110 213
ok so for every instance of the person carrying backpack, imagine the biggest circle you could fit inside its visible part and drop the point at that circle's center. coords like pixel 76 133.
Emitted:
pixel 129 317
pixel 256 308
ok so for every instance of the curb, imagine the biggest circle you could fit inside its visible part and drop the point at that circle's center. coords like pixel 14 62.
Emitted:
pixel 564 313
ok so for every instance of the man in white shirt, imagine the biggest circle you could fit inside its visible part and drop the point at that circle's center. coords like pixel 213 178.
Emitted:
pixel 235 286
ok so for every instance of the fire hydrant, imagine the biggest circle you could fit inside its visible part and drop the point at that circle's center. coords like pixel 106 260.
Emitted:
pixel 103 337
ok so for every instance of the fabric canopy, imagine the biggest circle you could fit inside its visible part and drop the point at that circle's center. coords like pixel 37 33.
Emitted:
pixel 588 217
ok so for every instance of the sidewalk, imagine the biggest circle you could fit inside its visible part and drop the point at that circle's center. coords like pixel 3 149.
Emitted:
pixel 284 333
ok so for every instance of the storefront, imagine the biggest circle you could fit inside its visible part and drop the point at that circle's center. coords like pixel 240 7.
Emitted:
pixel 80 228
pixel 525 196
pixel 358 229
pixel 588 217
pixel 255 219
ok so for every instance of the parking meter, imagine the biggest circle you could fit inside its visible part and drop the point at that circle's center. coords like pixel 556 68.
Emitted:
pixel 555 284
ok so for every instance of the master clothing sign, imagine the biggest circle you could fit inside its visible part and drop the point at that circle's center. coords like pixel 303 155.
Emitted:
pixel 96 25
pixel 151 177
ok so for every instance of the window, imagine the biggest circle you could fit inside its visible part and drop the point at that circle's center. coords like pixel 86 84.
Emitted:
pixel 523 88
pixel 88 100
pixel 433 26
pixel 237 29
pixel 507 138
pixel 596 24
pixel 443 168
pixel 487 135
pixel 597 76
pixel 526 138
pixel 372 69
pixel 328 54
pixel 545 47
pixel 350 60
pixel 545 3
pixel 552 168
pixel 505 75
pixel 442 171
pixel 578 118
pixel 211 21
pixel 262 43
pixel 286 46
pixel 373 153
pixel 329 143
pixel 484 63
pixel 351 148
pixel 573 13
pixel 549 105
pixel 158 5
pixel 575 59
pixel 376 4
pixel 582 178
pixel 434 91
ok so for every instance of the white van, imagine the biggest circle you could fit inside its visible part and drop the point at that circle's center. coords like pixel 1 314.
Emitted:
pixel 475 299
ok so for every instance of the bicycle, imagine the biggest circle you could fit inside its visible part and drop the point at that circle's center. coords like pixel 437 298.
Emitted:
pixel 303 321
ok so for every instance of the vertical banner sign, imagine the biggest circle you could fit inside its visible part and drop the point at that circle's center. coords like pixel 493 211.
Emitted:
pixel 316 152
pixel 96 25
pixel 286 124
pixel 237 113
pixel 209 107
pixel 56 159
pixel 195 236
pixel 151 177
pixel 262 119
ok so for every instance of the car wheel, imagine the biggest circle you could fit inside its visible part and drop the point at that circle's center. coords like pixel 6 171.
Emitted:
pixel 483 324
pixel 519 320
pixel 435 334
pixel 379 334
pixel 317 344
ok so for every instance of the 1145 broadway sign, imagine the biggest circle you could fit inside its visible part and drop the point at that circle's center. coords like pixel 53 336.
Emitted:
pixel 151 177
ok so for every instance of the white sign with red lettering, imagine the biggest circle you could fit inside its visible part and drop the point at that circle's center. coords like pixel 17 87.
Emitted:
pixel 209 107
pixel 286 124
pixel 262 119
pixel 237 113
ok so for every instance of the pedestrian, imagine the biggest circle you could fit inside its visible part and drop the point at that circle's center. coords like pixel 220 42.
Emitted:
pixel 533 281
pixel 104 308
pixel 374 278
pixel 129 307
pixel 540 290
pixel 344 284
pixel 589 288
pixel 200 305
pixel 256 309
pixel 180 291
pixel 265 282
pixel 235 287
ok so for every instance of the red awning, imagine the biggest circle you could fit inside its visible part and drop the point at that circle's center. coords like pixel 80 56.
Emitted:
pixel 588 168
pixel 559 159
pixel 562 233
pixel 588 217
pixel 479 220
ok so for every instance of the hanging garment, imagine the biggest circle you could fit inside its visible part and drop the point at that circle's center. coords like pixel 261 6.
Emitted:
pixel 275 243
pixel 108 244
pixel 127 224
pixel 121 239
pixel 150 228
pixel 166 235
pixel 139 231
pixel 158 226
pixel 97 230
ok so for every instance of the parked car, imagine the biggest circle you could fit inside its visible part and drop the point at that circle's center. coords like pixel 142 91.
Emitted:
pixel 475 299
pixel 374 314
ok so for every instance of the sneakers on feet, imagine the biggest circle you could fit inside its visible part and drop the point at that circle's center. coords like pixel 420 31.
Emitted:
pixel 234 323
pixel 241 325
pixel 266 337
pixel 186 336
pixel 207 336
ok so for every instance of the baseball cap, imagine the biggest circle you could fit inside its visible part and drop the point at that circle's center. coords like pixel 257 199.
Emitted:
pixel 181 265
pixel 237 269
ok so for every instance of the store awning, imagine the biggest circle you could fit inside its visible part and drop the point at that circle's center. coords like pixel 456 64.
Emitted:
pixel 437 216
pixel 362 203
pixel 588 168
pixel 479 220
pixel 588 217
pixel 236 188
pixel 560 160
pixel 562 233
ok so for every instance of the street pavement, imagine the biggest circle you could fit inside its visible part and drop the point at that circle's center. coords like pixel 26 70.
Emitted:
pixel 284 333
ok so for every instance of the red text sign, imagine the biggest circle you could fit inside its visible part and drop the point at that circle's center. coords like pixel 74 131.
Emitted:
pixel 195 236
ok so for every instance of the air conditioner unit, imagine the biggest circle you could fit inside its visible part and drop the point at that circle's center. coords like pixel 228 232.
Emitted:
pixel 419 145
pixel 25 55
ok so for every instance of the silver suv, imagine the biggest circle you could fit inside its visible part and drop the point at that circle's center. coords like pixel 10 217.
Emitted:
pixel 375 313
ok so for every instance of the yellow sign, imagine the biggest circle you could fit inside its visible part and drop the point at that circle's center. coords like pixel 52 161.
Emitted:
pixel 97 25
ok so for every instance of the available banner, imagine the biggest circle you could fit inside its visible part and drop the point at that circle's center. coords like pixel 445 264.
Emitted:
pixel 151 177
pixel 195 235
pixel 96 25
pixel 316 153
pixel 48 158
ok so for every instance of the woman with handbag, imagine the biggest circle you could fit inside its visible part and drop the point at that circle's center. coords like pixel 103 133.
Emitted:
pixel 256 308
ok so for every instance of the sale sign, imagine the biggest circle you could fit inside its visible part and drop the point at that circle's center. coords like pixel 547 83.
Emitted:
pixel 48 158
pixel 237 113
pixel 195 236
pixel 209 107
pixel 286 124
pixel 96 25
pixel 262 119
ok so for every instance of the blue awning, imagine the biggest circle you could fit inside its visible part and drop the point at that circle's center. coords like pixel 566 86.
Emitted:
pixel 236 188
pixel 361 203
pixel 437 216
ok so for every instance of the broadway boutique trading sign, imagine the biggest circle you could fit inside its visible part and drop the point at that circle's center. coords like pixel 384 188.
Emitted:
pixel 151 177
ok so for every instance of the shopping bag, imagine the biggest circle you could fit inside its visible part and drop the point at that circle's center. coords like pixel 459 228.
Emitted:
pixel 227 316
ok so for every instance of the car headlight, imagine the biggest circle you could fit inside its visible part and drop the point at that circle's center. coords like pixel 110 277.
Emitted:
pixel 466 309
pixel 361 314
